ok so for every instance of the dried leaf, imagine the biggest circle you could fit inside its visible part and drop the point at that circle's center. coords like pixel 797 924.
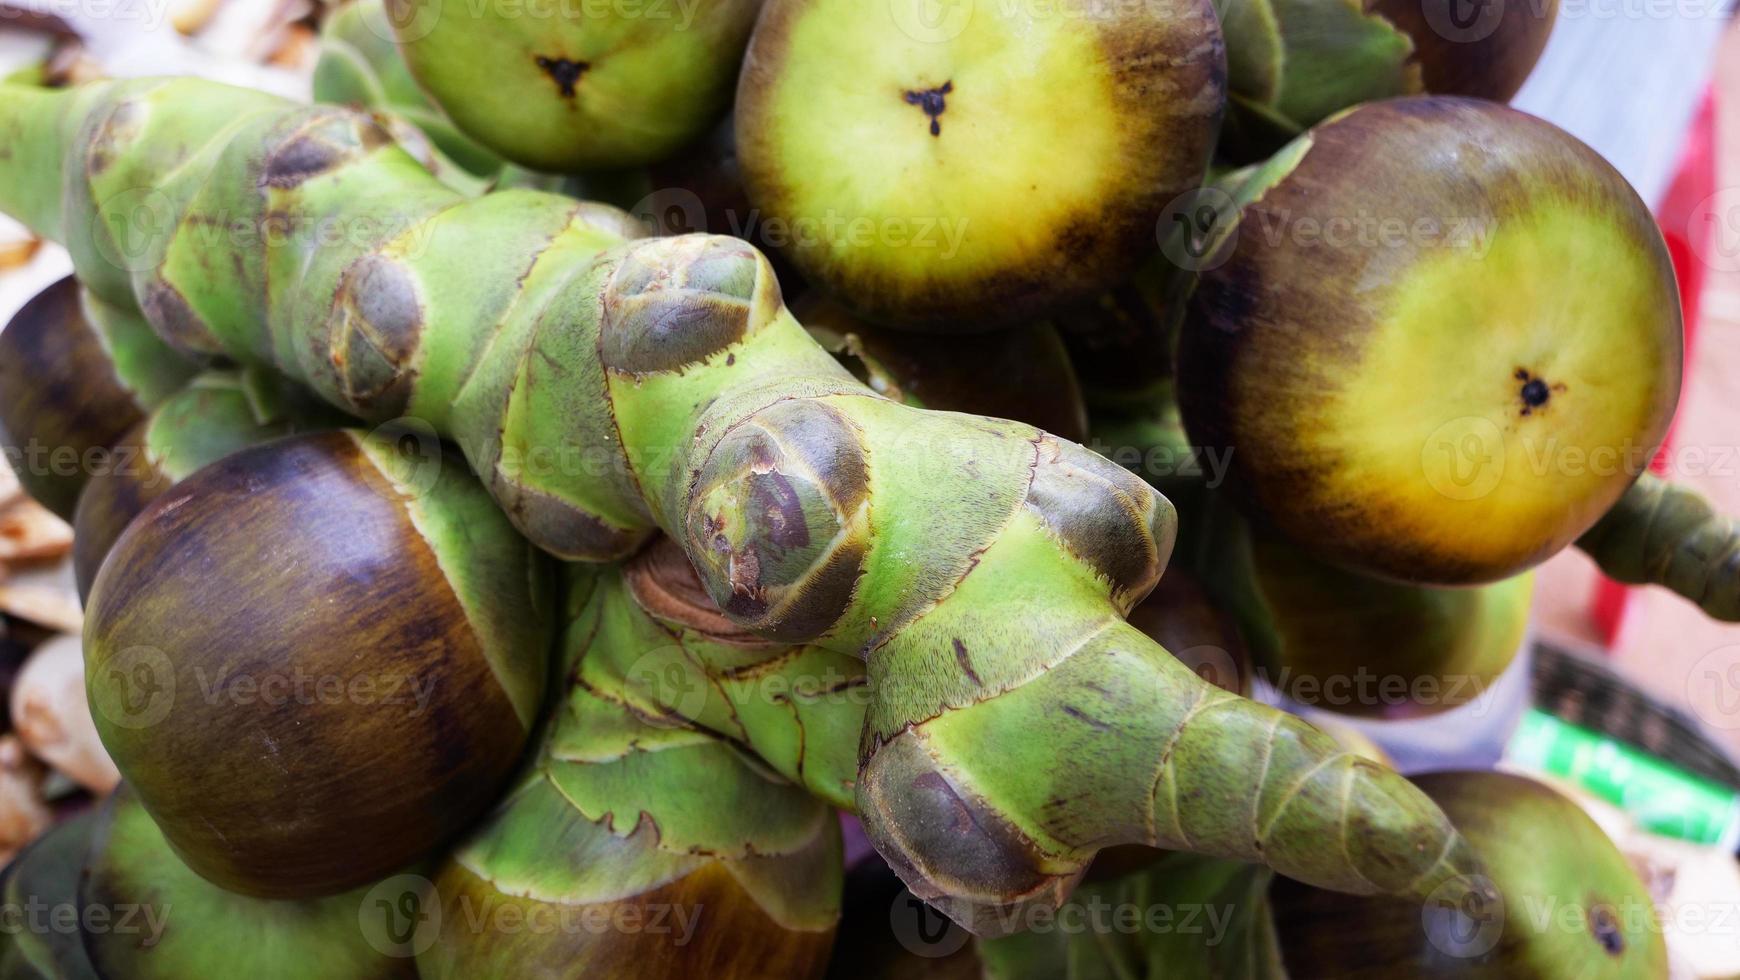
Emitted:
pixel 45 596
pixel 23 812
pixel 30 532
pixel 53 718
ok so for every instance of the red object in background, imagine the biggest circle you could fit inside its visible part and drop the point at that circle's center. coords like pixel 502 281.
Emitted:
pixel 1693 183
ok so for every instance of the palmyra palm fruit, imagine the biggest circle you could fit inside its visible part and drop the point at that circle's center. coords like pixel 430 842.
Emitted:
pixel 605 389
pixel 1404 352
pixel 1568 903
pixel 75 374
pixel 934 174
pixel 218 413
pixel 167 923
pixel 316 660
pixel 639 844
pixel 579 87
pixel 1353 644
pixel 1187 917
pixel 1293 63
pixel 1022 373
pixel 360 65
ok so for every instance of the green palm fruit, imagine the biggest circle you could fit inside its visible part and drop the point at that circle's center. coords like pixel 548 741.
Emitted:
pixel 218 413
pixel 1353 644
pixel 41 890
pixel 604 390
pixel 360 66
pixel 1570 907
pixel 580 86
pixel 75 374
pixel 167 923
pixel 639 844
pixel 1663 534
pixel 1022 373
pixel 928 163
pixel 1400 344
pixel 317 660
pixel 1187 917
pixel 1293 63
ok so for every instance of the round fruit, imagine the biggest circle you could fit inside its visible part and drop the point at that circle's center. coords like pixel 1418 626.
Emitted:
pixel 941 173
pixel 75 374
pixel 1562 902
pixel 316 660
pixel 1439 345
pixel 576 86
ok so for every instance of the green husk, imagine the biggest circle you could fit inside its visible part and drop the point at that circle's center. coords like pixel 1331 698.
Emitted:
pixel 633 815
pixel 607 390
pixel 169 923
pixel 1664 534
pixel 218 413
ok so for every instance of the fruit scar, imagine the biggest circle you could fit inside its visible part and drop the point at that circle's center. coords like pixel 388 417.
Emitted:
pixel 606 389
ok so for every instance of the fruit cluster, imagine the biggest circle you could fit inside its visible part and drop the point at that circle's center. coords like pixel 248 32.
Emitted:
pixel 506 581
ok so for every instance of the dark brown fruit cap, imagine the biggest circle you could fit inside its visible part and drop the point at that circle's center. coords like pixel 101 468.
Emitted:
pixel 60 398
pixel 282 669
pixel 1482 50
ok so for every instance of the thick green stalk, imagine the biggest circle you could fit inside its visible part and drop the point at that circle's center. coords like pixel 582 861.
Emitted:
pixel 982 568
pixel 1664 534
pixel 638 845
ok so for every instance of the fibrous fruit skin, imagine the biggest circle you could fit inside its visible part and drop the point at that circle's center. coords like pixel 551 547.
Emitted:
pixel 939 175
pixel 1404 353
pixel 75 374
pixel 184 926
pixel 579 87
pixel 1542 851
pixel 641 844
pixel 605 390
pixel 218 413
pixel 316 660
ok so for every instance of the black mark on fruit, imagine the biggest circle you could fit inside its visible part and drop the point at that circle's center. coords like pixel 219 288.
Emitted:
pixel 1605 926
pixel 933 101
pixel 565 73
pixel 1535 392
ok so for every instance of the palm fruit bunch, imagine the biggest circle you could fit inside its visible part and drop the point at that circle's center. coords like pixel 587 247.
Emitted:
pixel 498 585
